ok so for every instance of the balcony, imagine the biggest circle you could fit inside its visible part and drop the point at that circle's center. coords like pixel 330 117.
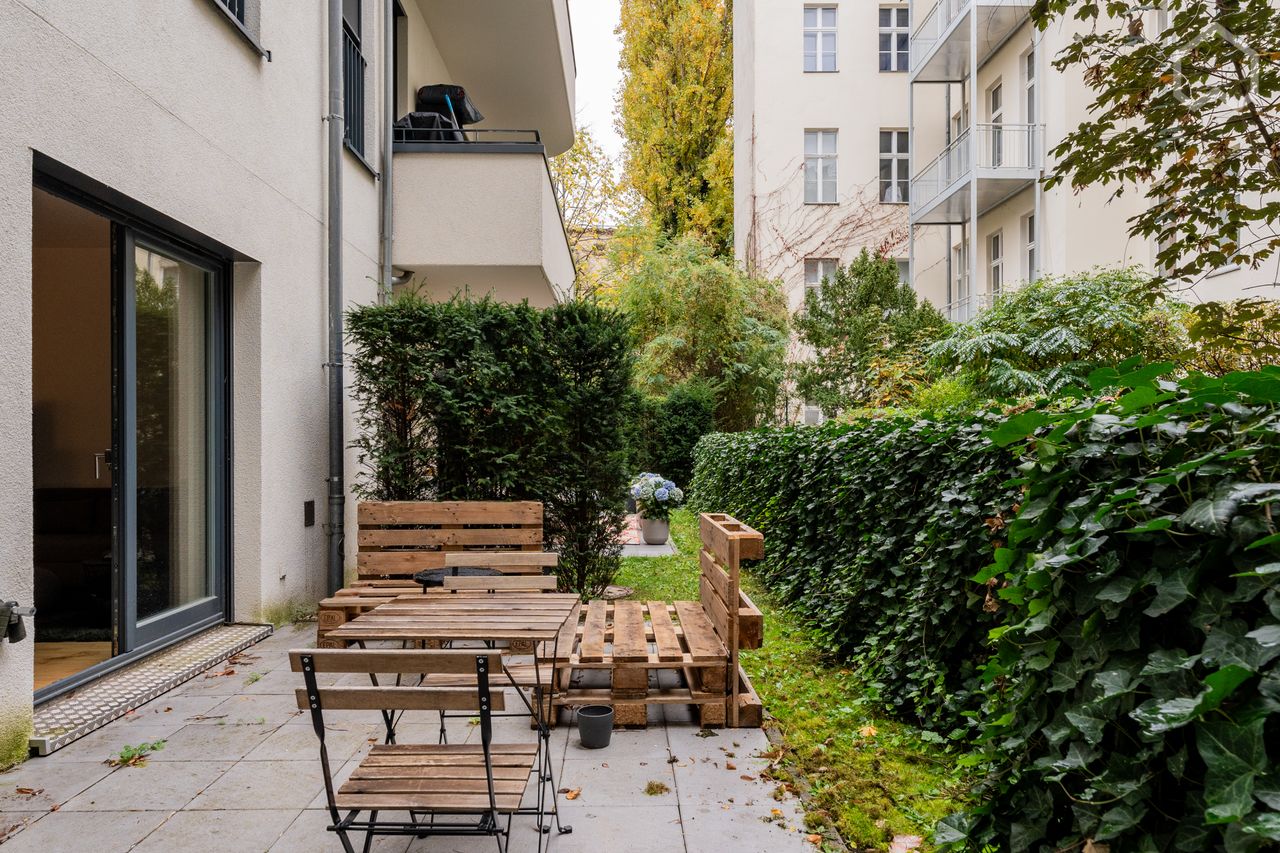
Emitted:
pixel 941 44
pixel 1003 159
pixel 477 211
pixel 965 308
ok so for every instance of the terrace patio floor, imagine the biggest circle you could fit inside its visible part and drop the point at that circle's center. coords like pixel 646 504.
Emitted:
pixel 238 771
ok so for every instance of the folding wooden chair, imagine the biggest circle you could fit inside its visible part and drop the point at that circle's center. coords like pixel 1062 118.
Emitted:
pixel 446 789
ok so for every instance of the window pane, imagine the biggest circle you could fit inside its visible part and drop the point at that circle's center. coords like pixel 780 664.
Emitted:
pixel 904 186
pixel 829 16
pixel 351 15
pixel 810 142
pixel 829 43
pixel 904 42
pixel 886 169
pixel 904 17
pixel 902 142
pixel 886 43
pixel 828 142
pixel 810 181
pixel 829 172
pixel 810 17
pixel 886 61
pixel 886 18
pixel 886 141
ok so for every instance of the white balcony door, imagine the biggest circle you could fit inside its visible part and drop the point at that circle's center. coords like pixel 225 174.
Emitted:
pixel 995 112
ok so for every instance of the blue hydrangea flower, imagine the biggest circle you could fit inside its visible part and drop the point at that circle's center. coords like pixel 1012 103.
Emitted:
pixel 668 485
pixel 635 491
pixel 661 494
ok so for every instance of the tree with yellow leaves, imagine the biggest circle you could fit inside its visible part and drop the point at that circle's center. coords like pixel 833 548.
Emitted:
pixel 674 110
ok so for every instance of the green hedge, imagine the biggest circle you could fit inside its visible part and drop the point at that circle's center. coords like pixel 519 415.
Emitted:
pixel 482 400
pixel 872 530
pixel 665 430
pixel 1134 697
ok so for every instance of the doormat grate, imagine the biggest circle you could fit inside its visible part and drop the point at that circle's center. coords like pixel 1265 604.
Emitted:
pixel 60 721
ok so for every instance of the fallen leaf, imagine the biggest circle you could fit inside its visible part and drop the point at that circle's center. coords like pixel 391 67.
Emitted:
pixel 813 839
pixel 868 731
pixel 54 807
pixel 776 812
pixel 745 778
pixel 573 793
pixel 30 792
pixel 729 765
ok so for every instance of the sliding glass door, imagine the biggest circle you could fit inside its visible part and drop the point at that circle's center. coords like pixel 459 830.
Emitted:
pixel 172 449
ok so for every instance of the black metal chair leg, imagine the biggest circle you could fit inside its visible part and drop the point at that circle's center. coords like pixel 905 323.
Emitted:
pixel 368 836
pixel 346 842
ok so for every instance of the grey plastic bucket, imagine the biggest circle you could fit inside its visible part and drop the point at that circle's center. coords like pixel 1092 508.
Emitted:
pixel 595 726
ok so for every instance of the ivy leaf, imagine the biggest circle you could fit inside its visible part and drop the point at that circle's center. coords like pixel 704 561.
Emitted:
pixel 1017 428
pixel 1157 716
pixel 1172 590
pixel 1234 756
pixel 1211 515
pixel 1266 636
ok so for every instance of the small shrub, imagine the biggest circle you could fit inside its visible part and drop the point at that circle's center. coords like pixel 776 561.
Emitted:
pixel 134 756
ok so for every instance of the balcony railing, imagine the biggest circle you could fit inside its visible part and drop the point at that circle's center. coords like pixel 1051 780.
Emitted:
pixel 965 308
pixel 480 139
pixel 353 67
pixel 933 27
pixel 991 148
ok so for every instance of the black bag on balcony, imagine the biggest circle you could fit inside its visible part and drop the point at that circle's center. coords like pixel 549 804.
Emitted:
pixel 426 127
pixel 450 100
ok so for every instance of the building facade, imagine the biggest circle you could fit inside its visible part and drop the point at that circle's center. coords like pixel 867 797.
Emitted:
pixel 165 201
pixel 971 84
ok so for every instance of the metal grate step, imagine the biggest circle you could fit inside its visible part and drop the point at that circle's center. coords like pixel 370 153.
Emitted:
pixel 60 721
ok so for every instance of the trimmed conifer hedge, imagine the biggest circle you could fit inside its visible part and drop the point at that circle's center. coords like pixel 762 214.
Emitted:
pixel 484 400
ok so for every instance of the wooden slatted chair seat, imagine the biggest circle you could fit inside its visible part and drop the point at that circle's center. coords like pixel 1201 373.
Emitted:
pixel 438 778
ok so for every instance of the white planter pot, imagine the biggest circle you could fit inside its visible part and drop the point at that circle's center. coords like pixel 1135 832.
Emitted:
pixel 655 532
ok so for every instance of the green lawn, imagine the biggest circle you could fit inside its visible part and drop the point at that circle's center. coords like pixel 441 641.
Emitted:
pixel 868 775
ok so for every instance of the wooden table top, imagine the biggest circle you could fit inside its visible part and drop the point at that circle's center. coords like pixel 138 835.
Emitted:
pixel 497 616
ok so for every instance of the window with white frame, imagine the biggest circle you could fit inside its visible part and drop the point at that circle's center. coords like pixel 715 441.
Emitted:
pixel 895 38
pixel 812 414
pixel 1029 85
pixel 960 282
pixel 904 269
pixel 895 183
pixel 1029 235
pixel 995 115
pixel 819 167
pixel 816 271
pixel 995 259
pixel 819 38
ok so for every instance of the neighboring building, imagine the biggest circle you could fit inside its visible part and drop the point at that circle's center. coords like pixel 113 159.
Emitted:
pixel 820 136
pixel 163 340
pixel 979 221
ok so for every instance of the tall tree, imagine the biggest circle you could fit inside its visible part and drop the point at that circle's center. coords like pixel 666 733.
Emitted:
pixel 674 113
pixel 593 200
pixel 1187 111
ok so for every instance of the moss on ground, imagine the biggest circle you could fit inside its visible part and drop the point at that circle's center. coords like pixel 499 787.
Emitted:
pixel 869 776
pixel 288 613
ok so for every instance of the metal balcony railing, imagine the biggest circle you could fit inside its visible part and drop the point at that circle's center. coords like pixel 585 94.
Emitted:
pixel 991 148
pixel 353 67
pixel 932 27
pixel 965 308
pixel 481 139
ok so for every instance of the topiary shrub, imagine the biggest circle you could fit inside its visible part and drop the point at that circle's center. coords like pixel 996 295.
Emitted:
pixel 1133 698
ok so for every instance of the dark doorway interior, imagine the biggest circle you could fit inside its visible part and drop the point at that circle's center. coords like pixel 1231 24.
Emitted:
pixel 71 419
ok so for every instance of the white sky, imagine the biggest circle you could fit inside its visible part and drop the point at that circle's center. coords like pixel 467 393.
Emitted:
pixel 596 50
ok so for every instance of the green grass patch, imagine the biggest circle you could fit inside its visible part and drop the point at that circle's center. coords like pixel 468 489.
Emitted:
pixel 869 776
pixel 288 613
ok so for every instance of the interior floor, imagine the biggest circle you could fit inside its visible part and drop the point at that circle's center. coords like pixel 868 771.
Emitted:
pixel 56 661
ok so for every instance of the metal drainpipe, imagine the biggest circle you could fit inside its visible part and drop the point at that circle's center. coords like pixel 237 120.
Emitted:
pixel 389 100
pixel 335 479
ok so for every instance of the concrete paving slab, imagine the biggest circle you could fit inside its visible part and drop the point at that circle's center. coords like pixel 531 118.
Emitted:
pixel 252 785
pixel 211 743
pixel 309 834
pixel 153 786
pixel 103 832
pixel 299 743
pixel 273 710
pixel 109 740
pixel 202 831
pixel 744 829
pixel 617 782
pixel 50 783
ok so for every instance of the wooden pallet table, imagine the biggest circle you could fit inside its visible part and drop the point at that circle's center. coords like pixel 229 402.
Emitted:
pixel 698 639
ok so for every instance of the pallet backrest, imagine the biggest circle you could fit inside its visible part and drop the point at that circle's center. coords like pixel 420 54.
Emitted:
pixel 396 539
pixel 726 542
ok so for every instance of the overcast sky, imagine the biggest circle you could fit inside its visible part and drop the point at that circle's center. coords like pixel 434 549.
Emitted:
pixel 595 49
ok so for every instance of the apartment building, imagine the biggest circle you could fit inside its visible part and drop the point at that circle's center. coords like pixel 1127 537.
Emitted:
pixel 988 108
pixel 821 136
pixel 173 204
pixel 970 84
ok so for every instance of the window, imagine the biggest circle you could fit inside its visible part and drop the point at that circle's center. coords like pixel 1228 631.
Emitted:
pixel 812 414
pixel 960 284
pixel 1029 82
pixel 895 38
pixel 995 111
pixel 819 167
pixel 816 271
pixel 895 183
pixel 245 16
pixel 1029 229
pixel 236 8
pixel 995 256
pixel 353 65
pixel 820 38
pixel 904 270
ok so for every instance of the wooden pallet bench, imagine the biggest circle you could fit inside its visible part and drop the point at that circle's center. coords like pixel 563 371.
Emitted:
pixel 397 539
pixel 698 639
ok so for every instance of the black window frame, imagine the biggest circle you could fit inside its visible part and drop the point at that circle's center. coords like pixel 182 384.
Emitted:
pixel 354 95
